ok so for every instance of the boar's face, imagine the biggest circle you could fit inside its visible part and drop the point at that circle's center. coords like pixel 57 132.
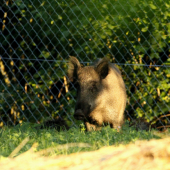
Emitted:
pixel 89 85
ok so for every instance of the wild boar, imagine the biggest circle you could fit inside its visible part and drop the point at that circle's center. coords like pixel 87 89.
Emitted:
pixel 101 93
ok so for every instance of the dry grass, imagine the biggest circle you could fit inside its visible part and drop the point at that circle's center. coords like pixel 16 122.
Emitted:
pixel 152 155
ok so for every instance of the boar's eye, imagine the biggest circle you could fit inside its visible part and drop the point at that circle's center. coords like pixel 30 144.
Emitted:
pixel 93 87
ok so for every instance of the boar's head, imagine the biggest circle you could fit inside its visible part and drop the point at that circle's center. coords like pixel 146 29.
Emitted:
pixel 89 85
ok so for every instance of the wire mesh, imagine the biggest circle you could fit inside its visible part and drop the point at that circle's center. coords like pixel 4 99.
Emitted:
pixel 37 38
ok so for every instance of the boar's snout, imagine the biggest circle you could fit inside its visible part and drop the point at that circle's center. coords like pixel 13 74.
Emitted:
pixel 79 115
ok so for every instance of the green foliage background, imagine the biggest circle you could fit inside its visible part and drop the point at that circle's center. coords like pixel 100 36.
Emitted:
pixel 38 38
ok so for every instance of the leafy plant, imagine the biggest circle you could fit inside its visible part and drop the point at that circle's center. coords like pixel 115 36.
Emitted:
pixel 38 38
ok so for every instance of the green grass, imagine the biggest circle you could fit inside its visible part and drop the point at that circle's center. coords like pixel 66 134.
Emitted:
pixel 10 138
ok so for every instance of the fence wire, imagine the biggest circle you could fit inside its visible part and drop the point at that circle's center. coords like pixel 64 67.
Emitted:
pixel 37 38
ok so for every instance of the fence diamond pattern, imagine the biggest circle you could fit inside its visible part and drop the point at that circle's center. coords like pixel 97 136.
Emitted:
pixel 37 38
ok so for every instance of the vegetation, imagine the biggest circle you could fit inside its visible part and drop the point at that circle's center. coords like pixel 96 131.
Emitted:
pixel 39 36
pixel 10 138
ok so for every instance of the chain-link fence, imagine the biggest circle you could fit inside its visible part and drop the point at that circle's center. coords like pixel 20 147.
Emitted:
pixel 37 38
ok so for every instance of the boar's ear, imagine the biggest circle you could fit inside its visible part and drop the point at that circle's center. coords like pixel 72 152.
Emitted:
pixel 102 68
pixel 73 66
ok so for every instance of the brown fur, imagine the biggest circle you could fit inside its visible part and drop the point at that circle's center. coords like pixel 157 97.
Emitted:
pixel 101 93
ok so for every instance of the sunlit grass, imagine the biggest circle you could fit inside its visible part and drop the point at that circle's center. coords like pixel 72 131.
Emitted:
pixel 10 138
